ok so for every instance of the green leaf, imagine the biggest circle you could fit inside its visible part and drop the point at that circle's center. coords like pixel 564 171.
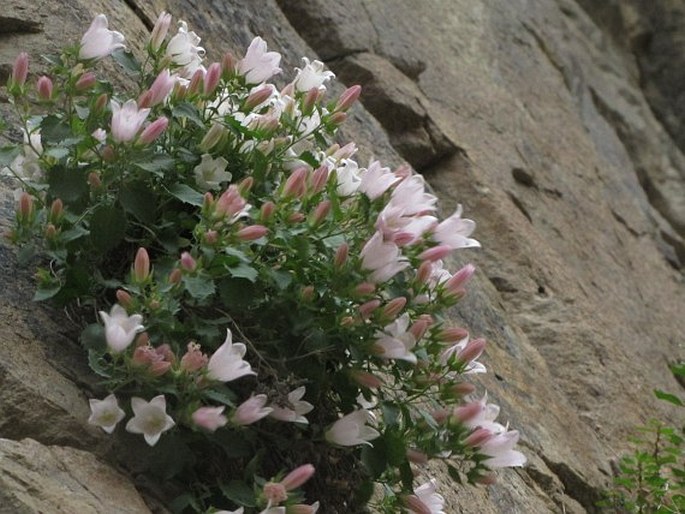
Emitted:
pixel 671 398
pixel 8 154
pixel 67 184
pixel 58 152
pixel 107 227
pixel 139 201
pixel 239 492
pixel 127 61
pixel 282 278
pixel 54 129
pixel 374 458
pixel 156 164
pixel 187 194
pixel 93 338
pixel 243 271
pixel 233 444
pixel 198 286
pixel 73 233
pixel 678 369
pixel 45 293
pixel 97 363
pixel 237 292
pixel 222 395
pixel 454 473
pixel 187 110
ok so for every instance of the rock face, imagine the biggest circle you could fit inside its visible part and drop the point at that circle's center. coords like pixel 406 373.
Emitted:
pixel 558 125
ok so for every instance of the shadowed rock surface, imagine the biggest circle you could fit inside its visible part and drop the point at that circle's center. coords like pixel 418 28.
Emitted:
pixel 556 123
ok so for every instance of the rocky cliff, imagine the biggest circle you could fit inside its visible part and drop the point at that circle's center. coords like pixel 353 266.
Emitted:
pixel 557 123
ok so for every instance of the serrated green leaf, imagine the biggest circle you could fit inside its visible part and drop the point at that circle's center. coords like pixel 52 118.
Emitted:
pixel 282 278
pixel 45 293
pixel 189 111
pixel 67 184
pixel 244 271
pixel 54 129
pixel 156 164
pixel 198 286
pixel 107 227
pixel 127 61
pixel 8 154
pixel 187 194
pixel 222 395
pixel 239 492
pixel 58 152
pixel 73 234
pixel 139 201
pixel 671 398
pixel 93 338
pixel 97 363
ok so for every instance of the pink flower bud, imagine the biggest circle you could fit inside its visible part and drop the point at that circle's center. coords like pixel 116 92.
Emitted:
pixel 211 237
pixel 338 118
pixel 297 477
pixel 341 255
pixel 461 389
pixel 418 328
pixel 348 97
pixel 295 184
pixel 366 379
pixel 245 185
pixel 101 102
pixel 86 81
pixel 440 415
pixel 212 137
pixel 196 81
pixel 44 87
pixel 424 272
pixel 307 293
pixel 142 339
pixel 321 211
pixel 436 253
pixel 229 203
pixel 347 321
pixel 50 232
pixel 193 359
pixel 108 154
pixel 288 90
pixel 228 63
pixel 403 171
pixel 153 130
pixel 394 307
pixel 319 179
pixel 366 309
pixel 452 335
pixel 258 97
pixel 141 265
pixel 123 298
pixel 25 208
pixel 252 232
pixel 267 211
pixel 161 88
pixel 403 238
pixel 478 437
pixel 471 351
pixel 20 70
pixel 365 288
pixel 296 217
pixel 488 479
pixel 343 153
pixel 310 100
pixel 467 412
pixel 417 457
pixel 251 410
pixel 456 283
pixel 175 276
pixel 160 30
pixel 212 77
pixel 56 210
pixel 415 505
pixel 275 493
pixel 187 262
pixel 179 92
pixel 209 418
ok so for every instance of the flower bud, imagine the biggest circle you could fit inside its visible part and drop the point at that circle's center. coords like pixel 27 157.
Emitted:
pixel 461 389
pixel 196 82
pixel 211 237
pixel 50 232
pixel 56 210
pixel 212 137
pixel 25 208
pixel 367 308
pixel 245 185
pixel 321 211
pixel 418 328
pixel 142 339
pixel 295 184
pixel 267 211
pixel 365 288
pixel 187 262
pixel 252 232
pixel 288 90
pixel 179 92
pixel 296 217
pixel 347 98
pixel 108 154
pixel 159 90
pixel 471 351
pixel 467 412
pixel 452 335
pixel 341 255
pixel 478 437
pixel 175 276
pixel 153 130
pixel 228 63
pixel 123 298
pixel 417 457
pixel 366 379
pixel 319 179
pixel 100 103
pixel 307 293
pixel 455 285
pixel 209 418
pixel 310 100
pixel 20 70
pixel 258 97
pixel 212 78
pixel 141 265
pixel 297 477
pixel 193 359
pixel 393 307
pixel 160 30
pixel 44 88
pixel 436 253
pixel 275 493
pixel 423 274
pixel 85 81
pixel 337 118
pixel 347 151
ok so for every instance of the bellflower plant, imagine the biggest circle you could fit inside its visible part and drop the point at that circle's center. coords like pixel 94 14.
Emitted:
pixel 266 302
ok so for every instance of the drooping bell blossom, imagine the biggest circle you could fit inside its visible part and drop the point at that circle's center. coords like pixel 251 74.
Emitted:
pixel 402 228
pixel 411 197
pixel 98 41
pixel 352 429
pixel 120 328
pixel 396 341
pixel 193 359
pixel 383 259
pixel 227 364
pixel 210 418
pixel 100 135
pixel 153 130
pixel 454 231
pixel 26 165
pixel 184 51
pixel 127 120
pixel 251 410
pixel 44 87
pixel 259 65
pixel 20 70
pixel 211 172
pixel 296 410
pixel 480 414
pixel 149 418
pixel 312 76
pixel 376 180
pixel 500 450
pixel 427 495
pixel 105 413
pixel 160 30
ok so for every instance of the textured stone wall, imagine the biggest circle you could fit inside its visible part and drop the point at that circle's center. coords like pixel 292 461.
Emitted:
pixel 558 125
